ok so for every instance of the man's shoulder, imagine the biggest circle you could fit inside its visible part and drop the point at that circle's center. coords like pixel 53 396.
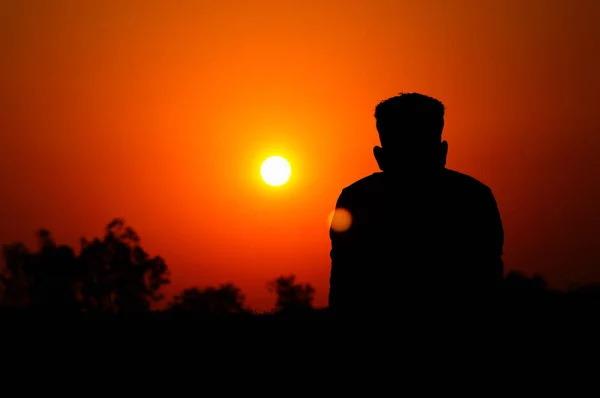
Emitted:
pixel 374 184
pixel 376 181
pixel 464 181
pixel 371 183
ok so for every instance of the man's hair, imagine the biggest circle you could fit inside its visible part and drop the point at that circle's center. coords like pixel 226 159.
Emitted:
pixel 422 113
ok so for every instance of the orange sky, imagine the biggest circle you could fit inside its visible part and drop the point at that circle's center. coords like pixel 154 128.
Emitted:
pixel 162 113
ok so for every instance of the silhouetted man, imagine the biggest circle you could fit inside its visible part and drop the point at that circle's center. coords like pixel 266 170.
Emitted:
pixel 420 234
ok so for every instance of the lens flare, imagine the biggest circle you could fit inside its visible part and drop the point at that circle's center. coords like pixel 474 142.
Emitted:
pixel 340 220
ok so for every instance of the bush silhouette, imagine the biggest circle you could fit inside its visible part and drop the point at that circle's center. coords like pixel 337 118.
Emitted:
pixel 115 275
pixel 291 296
pixel 110 275
pixel 227 299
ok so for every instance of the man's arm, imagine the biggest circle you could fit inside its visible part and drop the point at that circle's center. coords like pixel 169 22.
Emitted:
pixel 343 258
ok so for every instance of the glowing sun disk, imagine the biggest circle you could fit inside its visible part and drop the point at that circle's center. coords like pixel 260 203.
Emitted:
pixel 275 171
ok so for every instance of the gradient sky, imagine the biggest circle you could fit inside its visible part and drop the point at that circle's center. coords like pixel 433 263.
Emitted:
pixel 162 111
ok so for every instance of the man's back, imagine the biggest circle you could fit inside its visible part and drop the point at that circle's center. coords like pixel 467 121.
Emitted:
pixel 412 243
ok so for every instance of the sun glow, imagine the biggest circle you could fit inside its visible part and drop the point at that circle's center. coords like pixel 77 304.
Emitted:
pixel 275 171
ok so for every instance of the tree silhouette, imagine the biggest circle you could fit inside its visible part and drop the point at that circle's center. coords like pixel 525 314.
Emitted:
pixel 113 274
pixel 117 274
pixel 291 296
pixel 517 283
pixel 224 300
pixel 14 278
pixel 43 280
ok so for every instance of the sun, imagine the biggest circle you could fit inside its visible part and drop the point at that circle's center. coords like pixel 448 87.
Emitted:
pixel 275 171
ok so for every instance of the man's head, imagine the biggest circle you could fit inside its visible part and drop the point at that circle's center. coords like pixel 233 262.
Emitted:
pixel 410 131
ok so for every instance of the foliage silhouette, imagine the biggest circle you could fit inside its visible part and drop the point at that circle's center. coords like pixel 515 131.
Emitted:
pixel 42 281
pixel 227 299
pixel 292 296
pixel 113 275
pixel 118 275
